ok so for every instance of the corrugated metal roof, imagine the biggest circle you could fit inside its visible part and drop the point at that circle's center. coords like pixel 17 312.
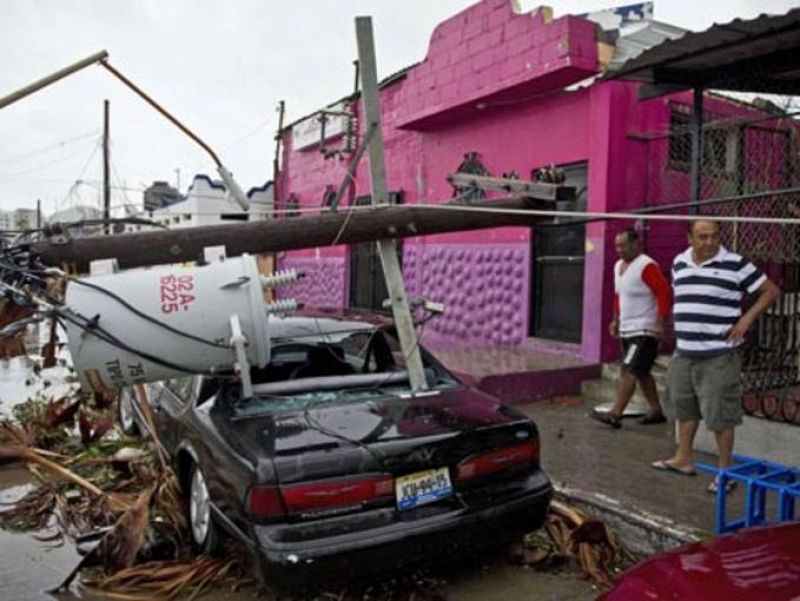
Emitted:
pixel 757 55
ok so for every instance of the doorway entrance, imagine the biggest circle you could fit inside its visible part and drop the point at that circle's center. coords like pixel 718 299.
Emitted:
pixel 556 309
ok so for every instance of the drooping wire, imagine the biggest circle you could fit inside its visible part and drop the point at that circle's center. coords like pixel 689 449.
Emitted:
pixel 96 330
pixel 144 315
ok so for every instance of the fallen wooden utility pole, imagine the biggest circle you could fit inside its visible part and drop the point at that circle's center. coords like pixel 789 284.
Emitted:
pixel 365 225
pixel 387 248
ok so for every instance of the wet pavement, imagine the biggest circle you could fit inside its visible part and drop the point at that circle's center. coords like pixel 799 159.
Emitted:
pixel 579 452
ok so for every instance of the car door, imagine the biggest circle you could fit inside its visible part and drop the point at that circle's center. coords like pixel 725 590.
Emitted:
pixel 175 398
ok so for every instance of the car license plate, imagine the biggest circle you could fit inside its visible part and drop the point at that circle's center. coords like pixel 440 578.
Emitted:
pixel 421 488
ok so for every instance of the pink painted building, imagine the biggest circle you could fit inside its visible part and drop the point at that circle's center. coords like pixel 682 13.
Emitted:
pixel 499 92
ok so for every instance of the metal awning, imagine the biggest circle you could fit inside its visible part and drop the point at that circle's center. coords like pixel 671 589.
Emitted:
pixel 759 55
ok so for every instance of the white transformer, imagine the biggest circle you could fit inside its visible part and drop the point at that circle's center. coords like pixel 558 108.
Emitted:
pixel 154 324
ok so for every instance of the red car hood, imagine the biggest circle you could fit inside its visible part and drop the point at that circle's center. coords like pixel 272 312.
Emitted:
pixel 758 564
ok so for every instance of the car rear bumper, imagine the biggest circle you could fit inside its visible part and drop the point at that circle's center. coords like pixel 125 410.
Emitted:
pixel 400 544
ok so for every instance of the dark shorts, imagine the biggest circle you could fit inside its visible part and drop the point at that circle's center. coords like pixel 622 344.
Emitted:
pixel 638 354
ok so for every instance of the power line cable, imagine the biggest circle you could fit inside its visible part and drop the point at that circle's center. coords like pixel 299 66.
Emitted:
pixel 18 158
pixel 43 165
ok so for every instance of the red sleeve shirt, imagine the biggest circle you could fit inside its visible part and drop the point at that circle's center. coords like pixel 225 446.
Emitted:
pixel 655 280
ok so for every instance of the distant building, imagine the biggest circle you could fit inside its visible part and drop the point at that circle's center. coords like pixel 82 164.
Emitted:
pixel 160 194
pixel 77 214
pixel 262 202
pixel 206 203
pixel 18 219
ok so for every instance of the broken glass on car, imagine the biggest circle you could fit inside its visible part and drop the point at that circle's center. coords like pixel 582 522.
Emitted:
pixel 335 367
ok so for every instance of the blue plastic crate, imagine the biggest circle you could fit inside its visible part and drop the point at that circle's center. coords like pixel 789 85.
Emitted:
pixel 758 477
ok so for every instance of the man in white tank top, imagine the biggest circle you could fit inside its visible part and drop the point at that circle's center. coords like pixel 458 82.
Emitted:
pixel 641 304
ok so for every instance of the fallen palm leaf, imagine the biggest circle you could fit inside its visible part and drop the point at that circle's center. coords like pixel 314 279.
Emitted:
pixel 166 580
pixel 15 434
pixel 32 511
pixel 105 399
pixel 50 348
pixel 118 547
pixel 32 456
pixel 12 347
pixel 90 495
pixel 169 501
pixel 60 412
pixel 144 405
pixel 92 429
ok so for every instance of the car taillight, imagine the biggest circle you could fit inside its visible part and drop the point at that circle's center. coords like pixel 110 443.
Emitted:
pixel 331 494
pixel 496 461
pixel 265 502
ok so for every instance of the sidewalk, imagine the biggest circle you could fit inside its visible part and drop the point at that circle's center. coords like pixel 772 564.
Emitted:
pixel 518 375
pixel 595 467
pixel 582 454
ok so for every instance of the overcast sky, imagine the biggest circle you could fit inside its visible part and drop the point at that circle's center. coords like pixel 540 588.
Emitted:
pixel 219 66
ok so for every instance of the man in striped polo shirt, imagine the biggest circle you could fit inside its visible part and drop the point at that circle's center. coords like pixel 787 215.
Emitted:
pixel 704 377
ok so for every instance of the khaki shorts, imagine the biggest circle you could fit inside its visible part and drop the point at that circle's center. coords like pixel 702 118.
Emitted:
pixel 708 389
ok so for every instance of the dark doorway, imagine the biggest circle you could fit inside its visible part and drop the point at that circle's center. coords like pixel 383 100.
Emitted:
pixel 367 284
pixel 556 309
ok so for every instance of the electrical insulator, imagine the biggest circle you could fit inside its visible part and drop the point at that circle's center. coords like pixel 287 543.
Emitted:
pixel 286 305
pixel 280 278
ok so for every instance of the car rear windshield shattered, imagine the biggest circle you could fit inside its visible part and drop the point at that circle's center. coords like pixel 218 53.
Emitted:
pixel 336 367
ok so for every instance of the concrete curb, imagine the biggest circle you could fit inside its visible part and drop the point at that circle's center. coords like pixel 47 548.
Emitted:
pixel 643 533
pixel 524 387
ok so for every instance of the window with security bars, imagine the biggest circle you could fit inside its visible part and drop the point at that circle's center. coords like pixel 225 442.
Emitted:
pixel 719 146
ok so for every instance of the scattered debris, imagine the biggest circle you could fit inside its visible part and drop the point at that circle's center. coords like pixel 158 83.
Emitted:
pixel 571 535
pixel 169 579
pixel 117 496
pixel 31 512
pixel 12 342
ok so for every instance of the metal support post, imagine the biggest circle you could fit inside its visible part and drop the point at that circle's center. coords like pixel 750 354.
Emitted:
pixel 697 147
pixel 387 249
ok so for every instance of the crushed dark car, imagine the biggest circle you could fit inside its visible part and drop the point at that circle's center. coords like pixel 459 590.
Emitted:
pixel 334 467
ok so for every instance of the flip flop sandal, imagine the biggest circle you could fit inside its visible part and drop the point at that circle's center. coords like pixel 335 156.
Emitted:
pixel 664 466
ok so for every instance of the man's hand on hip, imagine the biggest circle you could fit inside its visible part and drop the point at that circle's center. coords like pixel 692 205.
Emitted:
pixel 737 333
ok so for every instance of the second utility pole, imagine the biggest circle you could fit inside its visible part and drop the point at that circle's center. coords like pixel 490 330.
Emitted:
pixel 106 176
pixel 387 249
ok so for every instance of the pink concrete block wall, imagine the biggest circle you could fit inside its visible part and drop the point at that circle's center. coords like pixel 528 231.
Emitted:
pixel 489 52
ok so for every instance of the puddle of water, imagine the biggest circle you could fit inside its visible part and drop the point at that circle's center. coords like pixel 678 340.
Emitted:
pixel 18 380
pixel 27 566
